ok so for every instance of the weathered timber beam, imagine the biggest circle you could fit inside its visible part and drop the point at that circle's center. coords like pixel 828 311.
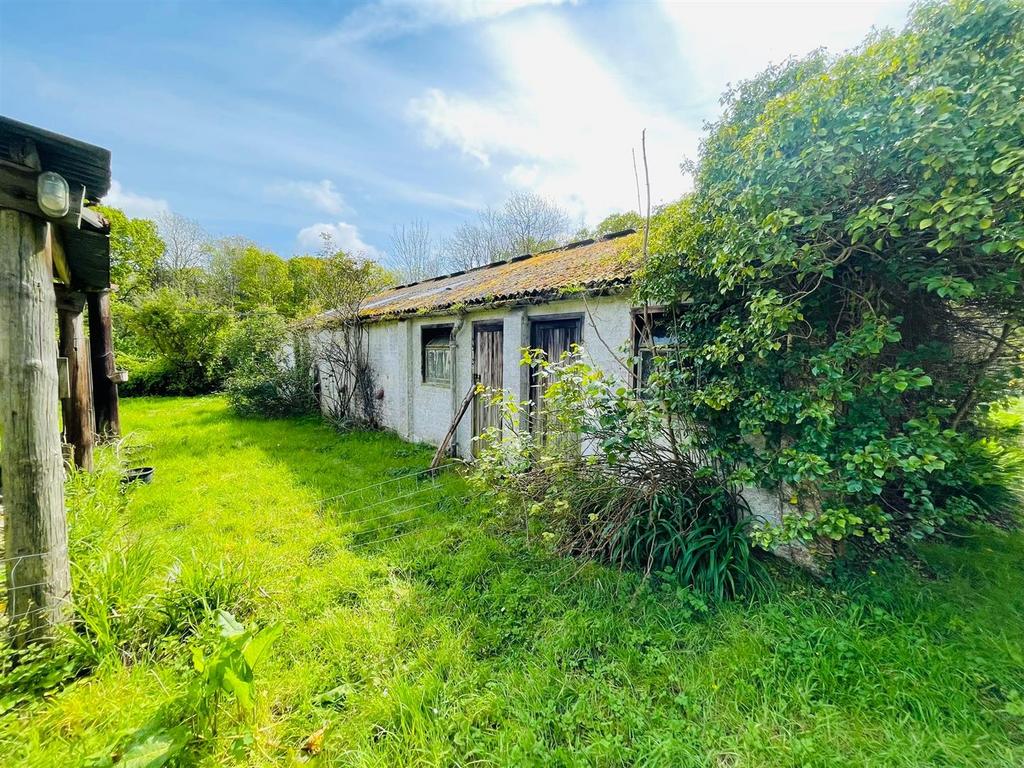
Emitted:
pixel 442 449
pixel 104 372
pixel 35 531
pixel 77 408
pixel 61 268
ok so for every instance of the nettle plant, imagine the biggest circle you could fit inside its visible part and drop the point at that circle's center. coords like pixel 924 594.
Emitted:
pixel 845 280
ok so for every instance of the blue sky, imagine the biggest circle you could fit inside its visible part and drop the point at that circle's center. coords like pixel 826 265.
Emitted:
pixel 278 120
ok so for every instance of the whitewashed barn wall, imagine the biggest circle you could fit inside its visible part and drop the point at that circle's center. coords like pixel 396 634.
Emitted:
pixel 422 412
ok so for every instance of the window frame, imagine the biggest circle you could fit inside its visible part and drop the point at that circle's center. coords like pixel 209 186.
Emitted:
pixel 430 338
pixel 639 321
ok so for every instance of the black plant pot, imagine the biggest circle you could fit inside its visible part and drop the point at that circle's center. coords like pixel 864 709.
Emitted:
pixel 138 474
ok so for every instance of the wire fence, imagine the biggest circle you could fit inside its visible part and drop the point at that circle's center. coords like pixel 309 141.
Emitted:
pixel 13 637
pixel 399 507
pixel 19 558
pixel 370 519
pixel 396 506
pixel 10 589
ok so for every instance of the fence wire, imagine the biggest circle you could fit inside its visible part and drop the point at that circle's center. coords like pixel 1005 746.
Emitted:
pixel 417 495
pixel 19 558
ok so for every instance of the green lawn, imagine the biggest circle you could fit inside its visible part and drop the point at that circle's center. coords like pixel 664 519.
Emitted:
pixel 425 638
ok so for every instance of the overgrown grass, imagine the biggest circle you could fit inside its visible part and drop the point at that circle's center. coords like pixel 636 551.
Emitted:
pixel 434 641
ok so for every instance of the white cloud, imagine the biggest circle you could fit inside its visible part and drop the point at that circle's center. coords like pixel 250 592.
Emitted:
pixel 345 236
pixel 562 124
pixel 391 18
pixel 725 42
pixel 136 206
pixel 322 194
pixel 562 119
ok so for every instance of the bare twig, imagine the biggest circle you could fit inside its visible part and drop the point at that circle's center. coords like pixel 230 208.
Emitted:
pixel 647 181
pixel 968 400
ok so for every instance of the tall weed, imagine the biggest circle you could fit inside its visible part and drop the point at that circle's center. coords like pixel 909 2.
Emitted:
pixel 113 599
pixel 614 480
pixel 198 590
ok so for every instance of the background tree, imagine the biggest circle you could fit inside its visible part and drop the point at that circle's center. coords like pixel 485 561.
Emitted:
pixel 473 244
pixel 526 223
pixel 616 222
pixel 346 280
pixel 305 273
pixel 136 249
pixel 413 252
pixel 531 223
pixel 245 276
pixel 186 246
pixel 339 341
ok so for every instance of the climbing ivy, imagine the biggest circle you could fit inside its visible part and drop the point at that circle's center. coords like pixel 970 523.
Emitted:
pixel 846 277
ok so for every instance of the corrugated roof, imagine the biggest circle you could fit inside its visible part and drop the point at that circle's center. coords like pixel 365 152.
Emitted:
pixel 588 265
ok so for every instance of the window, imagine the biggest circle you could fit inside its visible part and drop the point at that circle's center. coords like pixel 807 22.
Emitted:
pixel 437 355
pixel 652 336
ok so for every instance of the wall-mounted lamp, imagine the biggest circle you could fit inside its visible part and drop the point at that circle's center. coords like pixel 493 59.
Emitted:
pixel 53 194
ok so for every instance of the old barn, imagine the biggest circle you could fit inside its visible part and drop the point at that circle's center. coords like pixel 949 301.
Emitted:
pixel 428 342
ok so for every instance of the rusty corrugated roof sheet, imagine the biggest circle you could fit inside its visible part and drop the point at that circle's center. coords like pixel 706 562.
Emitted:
pixel 588 265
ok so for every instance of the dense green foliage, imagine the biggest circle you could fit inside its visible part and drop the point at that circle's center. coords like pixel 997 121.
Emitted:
pixel 846 277
pixel 275 377
pixel 613 222
pixel 136 251
pixel 453 645
pixel 606 480
pixel 179 339
pixel 690 536
pixel 182 321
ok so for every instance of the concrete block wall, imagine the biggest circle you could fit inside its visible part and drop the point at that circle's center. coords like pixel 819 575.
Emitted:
pixel 422 412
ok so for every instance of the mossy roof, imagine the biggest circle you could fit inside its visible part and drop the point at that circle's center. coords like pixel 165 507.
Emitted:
pixel 588 265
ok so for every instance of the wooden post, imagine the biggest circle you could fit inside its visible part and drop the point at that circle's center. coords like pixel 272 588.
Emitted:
pixel 104 376
pixel 36 552
pixel 443 447
pixel 79 424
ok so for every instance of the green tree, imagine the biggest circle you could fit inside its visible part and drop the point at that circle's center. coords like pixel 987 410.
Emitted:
pixel 181 338
pixel 136 249
pixel 347 281
pixel 246 276
pixel 305 272
pixel 616 222
pixel 847 274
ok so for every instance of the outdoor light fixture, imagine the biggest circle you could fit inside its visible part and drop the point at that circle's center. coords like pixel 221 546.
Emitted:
pixel 53 194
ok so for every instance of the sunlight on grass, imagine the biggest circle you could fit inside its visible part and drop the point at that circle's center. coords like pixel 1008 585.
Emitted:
pixel 448 644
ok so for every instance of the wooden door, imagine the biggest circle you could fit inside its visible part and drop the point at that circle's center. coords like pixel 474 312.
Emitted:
pixel 488 342
pixel 554 337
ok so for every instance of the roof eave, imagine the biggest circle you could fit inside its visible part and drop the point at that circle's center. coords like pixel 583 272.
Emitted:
pixel 522 299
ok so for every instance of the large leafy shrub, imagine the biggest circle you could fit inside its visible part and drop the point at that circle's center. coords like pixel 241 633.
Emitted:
pixel 845 280
pixel 178 343
pixel 273 369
